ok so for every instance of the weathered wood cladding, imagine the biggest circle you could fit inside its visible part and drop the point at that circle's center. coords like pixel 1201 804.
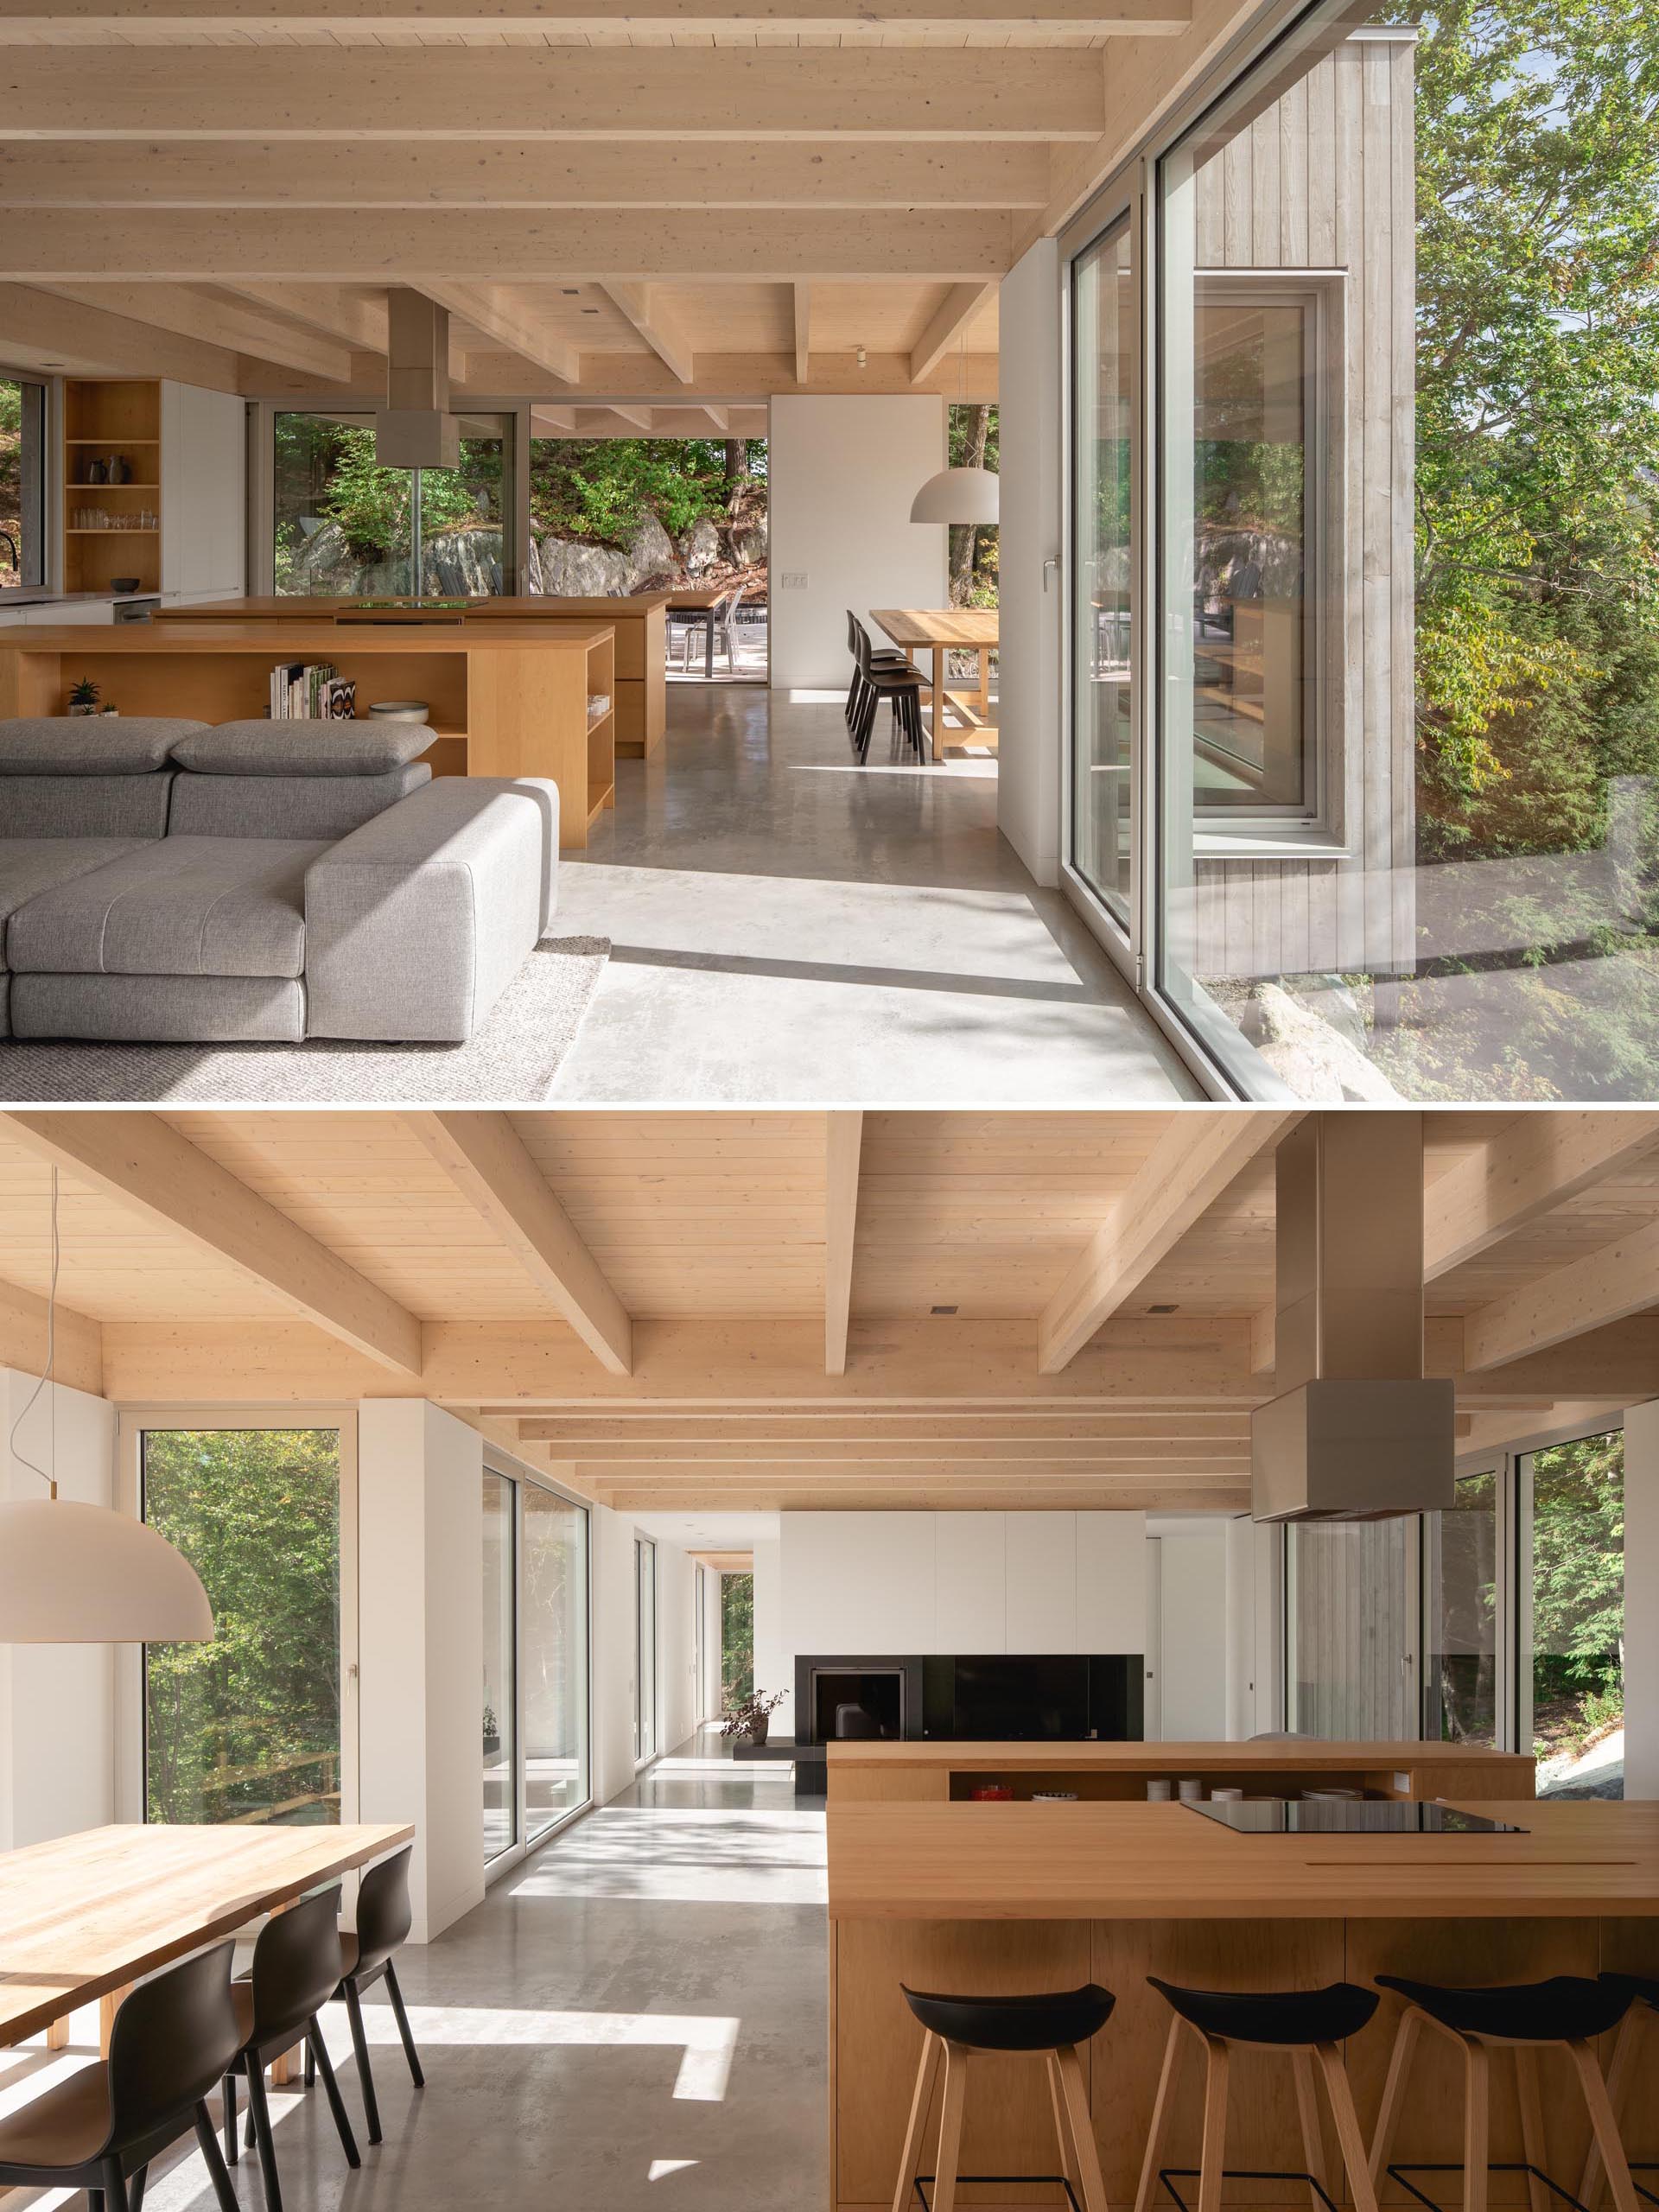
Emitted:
pixel 1325 179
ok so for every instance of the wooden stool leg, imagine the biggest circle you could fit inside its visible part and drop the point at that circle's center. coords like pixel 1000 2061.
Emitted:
pixel 57 2035
pixel 1603 2126
pixel 1394 2090
pixel 926 2074
pixel 1349 2140
pixel 1082 2128
pixel 1534 2143
pixel 1155 2133
pixel 1307 2112
pixel 1477 2125
pixel 1213 2153
pixel 949 2158
pixel 1062 2124
pixel 1618 2079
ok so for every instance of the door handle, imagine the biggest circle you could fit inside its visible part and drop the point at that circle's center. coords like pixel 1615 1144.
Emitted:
pixel 1052 561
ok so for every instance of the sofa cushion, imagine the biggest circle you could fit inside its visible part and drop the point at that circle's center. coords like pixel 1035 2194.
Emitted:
pixel 90 745
pixel 85 806
pixel 31 864
pixel 285 806
pixel 160 1009
pixel 314 747
pixel 187 907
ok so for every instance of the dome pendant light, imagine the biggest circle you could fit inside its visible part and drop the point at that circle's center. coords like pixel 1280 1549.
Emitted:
pixel 72 1573
pixel 959 494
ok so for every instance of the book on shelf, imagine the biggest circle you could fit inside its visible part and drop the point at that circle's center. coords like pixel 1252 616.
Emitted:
pixel 311 691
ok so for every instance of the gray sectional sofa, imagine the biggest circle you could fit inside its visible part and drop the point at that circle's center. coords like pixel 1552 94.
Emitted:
pixel 168 881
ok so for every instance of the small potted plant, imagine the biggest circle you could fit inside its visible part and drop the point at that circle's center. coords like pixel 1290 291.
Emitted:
pixel 492 1731
pixel 751 1717
pixel 83 698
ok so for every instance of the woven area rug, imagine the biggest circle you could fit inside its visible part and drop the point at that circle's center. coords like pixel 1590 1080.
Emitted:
pixel 513 1059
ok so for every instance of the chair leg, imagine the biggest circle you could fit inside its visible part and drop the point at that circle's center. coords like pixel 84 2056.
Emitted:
pixel 927 2073
pixel 232 2148
pixel 1212 2157
pixel 1535 2146
pixel 409 2052
pixel 1082 2128
pixel 1477 2125
pixel 1153 2156
pixel 948 2163
pixel 315 2044
pixel 1618 2076
pixel 1604 2127
pixel 360 2045
pixel 865 723
pixel 259 2114
pixel 1349 2141
pixel 217 2170
pixel 1393 2089
pixel 310 2066
pixel 1308 2114
pixel 136 2190
pixel 1062 2121
pixel 115 2187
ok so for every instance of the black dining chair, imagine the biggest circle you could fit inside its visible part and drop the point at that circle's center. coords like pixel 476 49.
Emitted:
pixel 383 1920
pixel 173 2037
pixel 887 657
pixel 901 686
pixel 296 1969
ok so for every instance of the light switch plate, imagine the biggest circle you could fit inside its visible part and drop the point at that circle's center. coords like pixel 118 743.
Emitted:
pixel 792 580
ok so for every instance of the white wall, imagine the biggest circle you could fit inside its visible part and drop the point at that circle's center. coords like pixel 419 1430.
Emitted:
pixel 421 1644
pixel 57 1701
pixel 204 496
pixel 841 475
pixel 775 1668
pixel 952 1582
pixel 1255 1691
pixel 676 1646
pixel 1642 1600
pixel 1028 695
pixel 1192 1631
pixel 612 1761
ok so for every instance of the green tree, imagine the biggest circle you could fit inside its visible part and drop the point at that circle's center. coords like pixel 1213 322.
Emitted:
pixel 974 441
pixel 1577 1583
pixel 737 1638
pixel 601 489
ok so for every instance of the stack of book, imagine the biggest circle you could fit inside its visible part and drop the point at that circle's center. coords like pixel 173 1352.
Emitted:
pixel 311 691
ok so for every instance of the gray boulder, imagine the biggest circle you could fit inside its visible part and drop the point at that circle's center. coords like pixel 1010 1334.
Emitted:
pixel 573 569
pixel 651 552
pixel 1305 1052
pixel 700 548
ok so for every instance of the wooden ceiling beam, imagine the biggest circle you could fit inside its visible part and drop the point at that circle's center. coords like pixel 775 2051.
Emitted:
pixel 958 309
pixel 200 315
pixel 1151 1494
pixel 737 379
pixel 143 1163
pixel 802 305
pixel 356 319
pixel 844 1146
pixel 42 326
pixel 1539 1162
pixel 492 309
pixel 486 1160
pixel 662 331
pixel 186 19
pixel 762 1452
pixel 873 1425
pixel 281 93
pixel 519 174
pixel 438 250
pixel 77 1343
pixel 1612 1284
pixel 1186 1171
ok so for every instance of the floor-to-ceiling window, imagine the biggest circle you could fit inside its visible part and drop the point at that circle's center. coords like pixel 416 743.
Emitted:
pixel 22 481
pixel 1465 1552
pixel 553 1658
pixel 645 1745
pixel 342 524
pixel 1351 1628
pixel 737 1638
pixel 251 1726
pixel 501 1687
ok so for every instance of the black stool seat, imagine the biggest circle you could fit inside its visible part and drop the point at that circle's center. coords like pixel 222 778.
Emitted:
pixel 1567 2008
pixel 1046 2022
pixel 1277 2016
pixel 1641 1988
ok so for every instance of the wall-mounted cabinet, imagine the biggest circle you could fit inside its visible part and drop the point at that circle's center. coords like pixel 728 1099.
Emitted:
pixel 111 429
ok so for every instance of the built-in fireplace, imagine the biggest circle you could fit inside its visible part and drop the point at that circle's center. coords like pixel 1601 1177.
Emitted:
pixel 869 1698
pixel 853 1704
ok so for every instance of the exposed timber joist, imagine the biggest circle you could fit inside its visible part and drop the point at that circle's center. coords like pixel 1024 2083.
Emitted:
pixel 958 309
pixel 141 1161
pixel 1183 1176
pixel 358 319
pixel 1536 1164
pixel 1607 1285
pixel 76 1344
pixel 661 331
pixel 185 19
pixel 222 323
pixel 803 312
pixel 485 1159
pixel 843 1144
pixel 447 247
pixel 365 93
pixel 754 377
pixel 493 311
pixel 42 326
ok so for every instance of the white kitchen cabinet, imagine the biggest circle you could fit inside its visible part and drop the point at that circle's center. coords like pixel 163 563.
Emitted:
pixel 1042 1582
pixel 972 1610
pixel 204 493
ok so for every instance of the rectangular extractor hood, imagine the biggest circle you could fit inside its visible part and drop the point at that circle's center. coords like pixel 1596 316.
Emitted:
pixel 415 430
pixel 1357 1432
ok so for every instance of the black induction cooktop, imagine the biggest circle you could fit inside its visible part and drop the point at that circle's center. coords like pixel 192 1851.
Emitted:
pixel 1349 1816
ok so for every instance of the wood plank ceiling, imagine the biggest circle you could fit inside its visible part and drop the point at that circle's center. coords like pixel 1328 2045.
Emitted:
pixel 683 202
pixel 696 1312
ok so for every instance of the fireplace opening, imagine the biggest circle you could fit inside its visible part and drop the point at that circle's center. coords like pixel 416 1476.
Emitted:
pixel 857 1705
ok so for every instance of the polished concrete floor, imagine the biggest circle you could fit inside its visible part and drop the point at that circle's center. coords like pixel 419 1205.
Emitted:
pixel 787 926
pixel 633 2021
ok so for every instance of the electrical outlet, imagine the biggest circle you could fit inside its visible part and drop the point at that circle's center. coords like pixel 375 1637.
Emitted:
pixel 792 580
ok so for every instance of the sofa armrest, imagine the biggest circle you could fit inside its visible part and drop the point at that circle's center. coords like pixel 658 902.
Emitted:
pixel 416 922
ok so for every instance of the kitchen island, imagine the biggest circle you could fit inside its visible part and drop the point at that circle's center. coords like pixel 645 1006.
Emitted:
pixel 997 1897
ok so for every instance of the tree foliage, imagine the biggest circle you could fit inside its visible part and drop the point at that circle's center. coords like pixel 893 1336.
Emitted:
pixel 974 441
pixel 11 458
pixel 1578 1576
pixel 736 1639
pixel 601 489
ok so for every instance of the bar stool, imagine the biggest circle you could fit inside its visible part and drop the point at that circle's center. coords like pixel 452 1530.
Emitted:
pixel 1308 2024
pixel 954 2028
pixel 1644 1999
pixel 1564 2013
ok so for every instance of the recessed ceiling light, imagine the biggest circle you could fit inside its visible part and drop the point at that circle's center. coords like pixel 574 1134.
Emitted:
pixel 1163 1309
pixel 590 310
pixel 941 1309
pixel 571 291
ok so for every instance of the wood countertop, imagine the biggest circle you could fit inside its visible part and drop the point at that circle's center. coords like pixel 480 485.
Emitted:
pixel 325 640
pixel 1107 1862
pixel 1268 1754
pixel 525 607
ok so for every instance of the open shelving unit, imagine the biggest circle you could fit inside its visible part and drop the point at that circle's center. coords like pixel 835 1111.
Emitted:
pixel 101 417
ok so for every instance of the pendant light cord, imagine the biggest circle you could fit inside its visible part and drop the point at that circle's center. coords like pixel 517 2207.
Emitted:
pixel 21 1458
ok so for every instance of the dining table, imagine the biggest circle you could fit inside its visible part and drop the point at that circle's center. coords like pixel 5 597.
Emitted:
pixel 85 1915
pixel 942 630
pixel 700 600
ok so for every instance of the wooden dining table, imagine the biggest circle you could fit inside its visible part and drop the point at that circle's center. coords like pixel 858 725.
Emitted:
pixel 700 600
pixel 85 1915
pixel 942 630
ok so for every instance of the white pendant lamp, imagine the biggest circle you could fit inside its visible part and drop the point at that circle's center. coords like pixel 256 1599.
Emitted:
pixel 959 494
pixel 72 1573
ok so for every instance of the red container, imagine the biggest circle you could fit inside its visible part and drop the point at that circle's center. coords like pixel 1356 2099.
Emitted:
pixel 991 1793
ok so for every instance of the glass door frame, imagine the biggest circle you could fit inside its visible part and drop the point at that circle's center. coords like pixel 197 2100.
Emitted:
pixel 132 1422
pixel 646 1701
pixel 515 1473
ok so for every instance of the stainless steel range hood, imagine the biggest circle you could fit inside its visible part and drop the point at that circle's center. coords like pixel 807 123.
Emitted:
pixel 1357 1432
pixel 415 430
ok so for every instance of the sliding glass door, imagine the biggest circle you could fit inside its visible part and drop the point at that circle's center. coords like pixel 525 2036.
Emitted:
pixel 500 1692
pixel 645 1745
pixel 553 1658
pixel 1465 1695
pixel 342 525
